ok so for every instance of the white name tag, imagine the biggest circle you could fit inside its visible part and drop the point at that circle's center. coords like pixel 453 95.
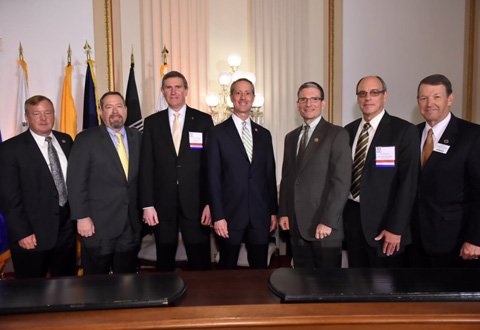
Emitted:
pixel 196 140
pixel 385 156
pixel 441 148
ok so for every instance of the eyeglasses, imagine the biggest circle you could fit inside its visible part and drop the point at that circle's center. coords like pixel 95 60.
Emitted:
pixel 313 99
pixel 373 93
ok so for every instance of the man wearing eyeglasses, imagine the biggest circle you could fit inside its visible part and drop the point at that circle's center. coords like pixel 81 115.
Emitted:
pixel 385 168
pixel 315 184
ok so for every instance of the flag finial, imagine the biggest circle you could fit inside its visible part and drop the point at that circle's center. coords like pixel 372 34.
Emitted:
pixel 69 56
pixel 165 52
pixel 20 51
pixel 87 48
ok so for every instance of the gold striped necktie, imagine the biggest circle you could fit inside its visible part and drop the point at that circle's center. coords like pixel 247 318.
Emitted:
pixel 359 160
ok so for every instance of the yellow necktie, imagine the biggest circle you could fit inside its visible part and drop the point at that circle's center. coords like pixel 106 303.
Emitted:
pixel 122 153
pixel 176 134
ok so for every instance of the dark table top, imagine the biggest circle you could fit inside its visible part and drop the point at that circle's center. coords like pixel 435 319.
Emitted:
pixel 89 292
pixel 376 285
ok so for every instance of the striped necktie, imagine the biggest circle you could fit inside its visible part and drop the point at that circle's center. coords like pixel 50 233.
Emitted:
pixel 122 153
pixel 359 160
pixel 247 141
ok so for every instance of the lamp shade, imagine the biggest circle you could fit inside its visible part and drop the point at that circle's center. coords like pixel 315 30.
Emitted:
pixel 224 78
pixel 234 60
pixel 212 100
pixel 258 102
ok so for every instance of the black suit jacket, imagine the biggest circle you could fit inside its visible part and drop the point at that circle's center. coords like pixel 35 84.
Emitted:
pixel 97 185
pixel 449 190
pixel 316 191
pixel 161 168
pixel 240 191
pixel 387 194
pixel 28 196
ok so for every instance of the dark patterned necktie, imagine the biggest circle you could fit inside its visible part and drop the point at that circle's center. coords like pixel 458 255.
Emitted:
pixel 56 171
pixel 303 144
pixel 359 160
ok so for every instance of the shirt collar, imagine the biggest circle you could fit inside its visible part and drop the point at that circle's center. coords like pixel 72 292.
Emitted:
pixel 182 111
pixel 375 121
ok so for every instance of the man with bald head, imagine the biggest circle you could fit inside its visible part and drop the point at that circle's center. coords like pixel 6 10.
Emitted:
pixel 385 168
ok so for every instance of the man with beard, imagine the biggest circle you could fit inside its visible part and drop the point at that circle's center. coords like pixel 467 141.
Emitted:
pixel 102 184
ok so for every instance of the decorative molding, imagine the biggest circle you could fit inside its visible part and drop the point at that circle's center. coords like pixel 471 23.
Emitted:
pixel 107 7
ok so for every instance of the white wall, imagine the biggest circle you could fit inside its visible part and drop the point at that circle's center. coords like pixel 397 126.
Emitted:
pixel 403 42
pixel 45 29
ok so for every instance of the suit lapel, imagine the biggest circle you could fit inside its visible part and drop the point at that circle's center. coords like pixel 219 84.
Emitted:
pixel 448 137
pixel 233 133
pixel 63 144
pixel 292 151
pixel 187 127
pixel 382 129
pixel 133 153
pixel 256 140
pixel 166 131
pixel 34 152
pixel 313 143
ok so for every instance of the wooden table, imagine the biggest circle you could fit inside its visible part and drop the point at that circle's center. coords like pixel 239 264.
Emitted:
pixel 241 300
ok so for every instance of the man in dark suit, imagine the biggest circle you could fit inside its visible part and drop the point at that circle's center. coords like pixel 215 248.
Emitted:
pixel 446 226
pixel 384 181
pixel 315 184
pixel 33 195
pixel 102 182
pixel 172 178
pixel 241 182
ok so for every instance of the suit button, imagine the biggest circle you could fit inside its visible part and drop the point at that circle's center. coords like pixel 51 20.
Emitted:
pixel 178 166
pixel 249 176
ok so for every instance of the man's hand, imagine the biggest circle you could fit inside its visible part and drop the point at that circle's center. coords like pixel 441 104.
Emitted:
pixel 469 251
pixel 391 242
pixel 273 223
pixel 322 231
pixel 29 242
pixel 150 216
pixel 221 229
pixel 284 223
pixel 206 216
pixel 85 227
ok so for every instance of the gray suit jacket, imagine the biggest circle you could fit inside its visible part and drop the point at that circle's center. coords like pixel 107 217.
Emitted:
pixel 316 191
pixel 96 182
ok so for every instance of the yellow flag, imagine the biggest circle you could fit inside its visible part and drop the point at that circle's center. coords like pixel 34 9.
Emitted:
pixel 68 119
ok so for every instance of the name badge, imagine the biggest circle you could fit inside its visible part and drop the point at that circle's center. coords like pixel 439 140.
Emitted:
pixel 385 156
pixel 196 140
pixel 442 148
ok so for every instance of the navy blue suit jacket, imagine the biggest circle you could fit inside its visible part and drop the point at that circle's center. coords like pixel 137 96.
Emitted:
pixel 239 191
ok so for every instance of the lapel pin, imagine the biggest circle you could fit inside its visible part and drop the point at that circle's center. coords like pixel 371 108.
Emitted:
pixel 316 140
pixel 256 129
pixel 63 141
pixel 445 141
